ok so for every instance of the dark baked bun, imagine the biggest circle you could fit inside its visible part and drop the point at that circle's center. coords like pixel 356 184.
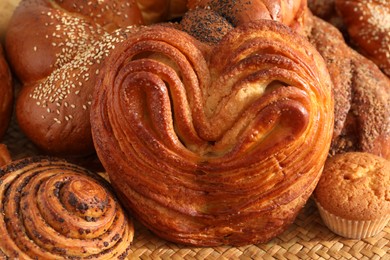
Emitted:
pixel 368 24
pixel 51 209
pixel 290 13
pixel 6 94
pixel 214 144
pixel 361 93
pixel 205 25
pixel 64 44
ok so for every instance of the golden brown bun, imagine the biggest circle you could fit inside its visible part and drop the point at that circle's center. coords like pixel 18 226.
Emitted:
pixel 6 94
pixel 64 44
pixel 368 23
pixel 239 12
pixel 361 93
pixel 211 145
pixel 154 11
pixel 55 210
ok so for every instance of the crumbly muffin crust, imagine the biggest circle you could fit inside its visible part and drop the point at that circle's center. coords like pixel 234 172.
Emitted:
pixel 355 186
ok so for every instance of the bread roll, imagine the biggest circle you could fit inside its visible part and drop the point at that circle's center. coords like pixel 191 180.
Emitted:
pixel 238 12
pixel 214 144
pixel 64 44
pixel 55 210
pixel 361 93
pixel 368 24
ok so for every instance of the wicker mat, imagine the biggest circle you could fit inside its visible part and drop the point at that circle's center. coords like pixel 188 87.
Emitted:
pixel 307 238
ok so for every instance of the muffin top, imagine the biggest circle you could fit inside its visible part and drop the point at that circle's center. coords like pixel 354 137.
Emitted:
pixel 355 186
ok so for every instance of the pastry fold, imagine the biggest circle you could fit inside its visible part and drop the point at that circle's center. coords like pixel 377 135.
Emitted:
pixel 214 145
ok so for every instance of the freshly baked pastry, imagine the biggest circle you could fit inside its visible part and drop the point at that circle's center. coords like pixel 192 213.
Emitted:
pixel 238 12
pixel 6 94
pixel 64 44
pixel 214 144
pixel 205 25
pixel 361 93
pixel 368 24
pixel 55 210
pixel 353 194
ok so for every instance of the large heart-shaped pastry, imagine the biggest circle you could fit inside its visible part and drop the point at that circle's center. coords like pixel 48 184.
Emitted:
pixel 211 145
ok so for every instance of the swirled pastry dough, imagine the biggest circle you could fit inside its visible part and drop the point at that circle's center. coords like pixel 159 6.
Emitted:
pixel 214 145
pixel 55 210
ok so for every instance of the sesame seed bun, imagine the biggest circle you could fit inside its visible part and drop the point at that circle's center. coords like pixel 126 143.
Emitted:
pixel 64 45
pixel 368 23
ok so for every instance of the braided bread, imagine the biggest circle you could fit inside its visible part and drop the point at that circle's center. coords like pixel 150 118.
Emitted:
pixel 64 44
pixel 211 145
pixel 55 210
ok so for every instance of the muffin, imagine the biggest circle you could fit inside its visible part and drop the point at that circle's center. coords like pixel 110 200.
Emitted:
pixel 353 194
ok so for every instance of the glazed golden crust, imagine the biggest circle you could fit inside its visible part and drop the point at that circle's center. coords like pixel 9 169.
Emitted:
pixel 63 48
pixel 355 186
pixel 6 94
pixel 55 210
pixel 54 112
pixel 361 93
pixel 368 24
pixel 54 35
pixel 214 145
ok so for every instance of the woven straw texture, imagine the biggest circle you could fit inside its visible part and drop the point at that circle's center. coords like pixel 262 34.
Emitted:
pixel 307 237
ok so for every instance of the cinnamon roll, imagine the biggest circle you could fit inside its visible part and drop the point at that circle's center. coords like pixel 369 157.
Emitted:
pixel 55 210
pixel 211 145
